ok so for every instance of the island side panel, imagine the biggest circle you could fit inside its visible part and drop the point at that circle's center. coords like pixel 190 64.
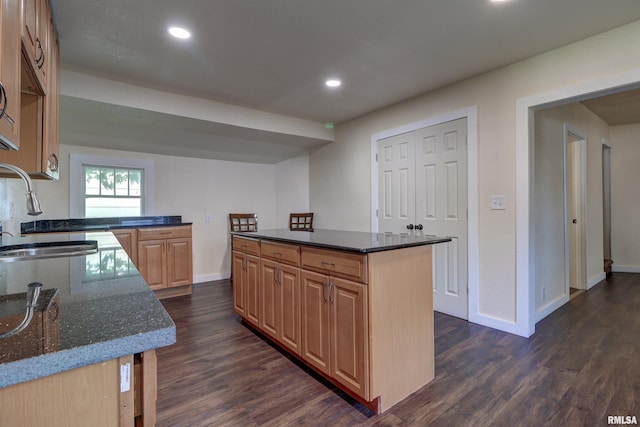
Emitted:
pixel 401 323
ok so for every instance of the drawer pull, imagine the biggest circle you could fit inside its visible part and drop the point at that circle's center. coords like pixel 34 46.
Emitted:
pixel 165 232
pixel 330 264
pixel 331 292
pixel 277 254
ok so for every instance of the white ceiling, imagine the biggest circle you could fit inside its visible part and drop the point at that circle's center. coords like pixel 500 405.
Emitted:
pixel 274 55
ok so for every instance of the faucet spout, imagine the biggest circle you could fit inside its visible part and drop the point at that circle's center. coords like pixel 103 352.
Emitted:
pixel 33 205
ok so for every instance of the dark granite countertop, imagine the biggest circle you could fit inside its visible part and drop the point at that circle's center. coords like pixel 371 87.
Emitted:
pixel 351 241
pixel 99 224
pixel 104 309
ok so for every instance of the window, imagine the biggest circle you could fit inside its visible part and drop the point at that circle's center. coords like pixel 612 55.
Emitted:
pixel 110 186
pixel 111 191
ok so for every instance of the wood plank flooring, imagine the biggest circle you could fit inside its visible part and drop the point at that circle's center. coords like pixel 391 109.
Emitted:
pixel 581 365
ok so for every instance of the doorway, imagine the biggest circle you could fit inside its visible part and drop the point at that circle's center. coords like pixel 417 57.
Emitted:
pixel 606 207
pixel 575 209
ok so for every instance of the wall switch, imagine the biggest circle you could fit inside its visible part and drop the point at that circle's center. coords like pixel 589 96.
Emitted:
pixel 498 203
pixel 207 218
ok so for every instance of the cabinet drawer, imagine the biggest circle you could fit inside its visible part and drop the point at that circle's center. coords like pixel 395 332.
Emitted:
pixel 151 233
pixel 281 252
pixel 250 246
pixel 336 263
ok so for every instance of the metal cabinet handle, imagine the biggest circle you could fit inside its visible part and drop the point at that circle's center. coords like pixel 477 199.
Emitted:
pixel 244 262
pixel 40 59
pixel 3 95
pixel 324 285
pixel 331 292
pixel 53 165
pixel 330 264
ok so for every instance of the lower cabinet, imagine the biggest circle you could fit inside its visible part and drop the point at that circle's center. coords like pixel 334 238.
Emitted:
pixel 163 255
pixel 280 303
pixel 246 291
pixel 335 329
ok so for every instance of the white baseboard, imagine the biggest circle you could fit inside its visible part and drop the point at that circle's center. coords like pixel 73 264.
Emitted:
pixel 594 280
pixel 552 306
pixel 625 268
pixel 209 278
pixel 501 325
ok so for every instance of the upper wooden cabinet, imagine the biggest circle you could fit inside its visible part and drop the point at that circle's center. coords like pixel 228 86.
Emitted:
pixel 10 61
pixel 38 92
pixel 36 46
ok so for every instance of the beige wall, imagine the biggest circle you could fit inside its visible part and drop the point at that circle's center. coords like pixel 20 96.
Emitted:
pixel 625 198
pixel 191 188
pixel 548 204
pixel 340 172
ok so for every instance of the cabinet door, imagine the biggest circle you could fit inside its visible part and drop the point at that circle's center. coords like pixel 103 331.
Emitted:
pixel 290 329
pixel 239 282
pixel 270 298
pixel 253 289
pixel 151 262
pixel 10 60
pixel 315 321
pixel 179 268
pixel 51 133
pixel 349 334
pixel 129 242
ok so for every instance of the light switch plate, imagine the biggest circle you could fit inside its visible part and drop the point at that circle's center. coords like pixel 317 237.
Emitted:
pixel 498 203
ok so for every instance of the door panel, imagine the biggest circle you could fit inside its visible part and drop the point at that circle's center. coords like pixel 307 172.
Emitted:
pixel 269 299
pixel 253 289
pixel 315 321
pixel 290 308
pixel 439 160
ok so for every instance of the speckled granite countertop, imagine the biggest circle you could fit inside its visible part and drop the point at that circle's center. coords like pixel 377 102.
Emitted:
pixel 98 224
pixel 351 241
pixel 105 310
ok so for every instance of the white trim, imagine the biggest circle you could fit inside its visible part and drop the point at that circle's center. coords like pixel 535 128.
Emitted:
pixel 525 283
pixel 616 268
pixel 594 280
pixel 473 231
pixel 551 307
pixel 210 277
pixel 75 179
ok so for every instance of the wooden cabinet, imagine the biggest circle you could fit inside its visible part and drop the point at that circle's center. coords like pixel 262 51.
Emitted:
pixel 246 279
pixel 334 319
pixel 38 95
pixel 365 320
pixel 36 46
pixel 128 239
pixel 280 303
pixel 87 396
pixel 164 256
pixel 10 62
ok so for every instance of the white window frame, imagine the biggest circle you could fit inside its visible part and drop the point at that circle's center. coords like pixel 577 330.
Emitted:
pixel 76 177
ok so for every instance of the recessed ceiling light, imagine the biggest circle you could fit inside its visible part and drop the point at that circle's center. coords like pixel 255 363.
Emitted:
pixel 333 83
pixel 499 1
pixel 179 33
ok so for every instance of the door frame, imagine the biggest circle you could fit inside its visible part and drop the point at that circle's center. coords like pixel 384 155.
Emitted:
pixel 576 196
pixel 525 321
pixel 473 257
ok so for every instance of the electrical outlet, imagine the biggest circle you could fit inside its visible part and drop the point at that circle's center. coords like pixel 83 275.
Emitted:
pixel 498 203
pixel 207 218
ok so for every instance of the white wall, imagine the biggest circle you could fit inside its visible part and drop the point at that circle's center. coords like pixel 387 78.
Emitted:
pixel 548 204
pixel 194 187
pixel 625 197
pixel 340 171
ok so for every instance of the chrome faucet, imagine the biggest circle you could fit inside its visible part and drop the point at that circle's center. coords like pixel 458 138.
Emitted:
pixel 33 205
pixel 33 292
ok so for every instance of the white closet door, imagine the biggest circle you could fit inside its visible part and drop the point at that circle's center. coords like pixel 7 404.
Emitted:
pixel 441 208
pixel 396 183
pixel 422 180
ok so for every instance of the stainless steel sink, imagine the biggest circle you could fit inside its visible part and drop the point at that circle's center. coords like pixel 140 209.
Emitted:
pixel 47 250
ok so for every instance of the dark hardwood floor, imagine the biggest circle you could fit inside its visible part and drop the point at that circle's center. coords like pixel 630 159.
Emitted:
pixel 581 365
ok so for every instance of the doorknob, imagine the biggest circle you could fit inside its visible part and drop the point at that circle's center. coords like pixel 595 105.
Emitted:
pixel 410 226
pixel 418 226
pixel 575 221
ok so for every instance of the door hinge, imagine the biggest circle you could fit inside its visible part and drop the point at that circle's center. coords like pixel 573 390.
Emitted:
pixel 376 157
pixel 376 213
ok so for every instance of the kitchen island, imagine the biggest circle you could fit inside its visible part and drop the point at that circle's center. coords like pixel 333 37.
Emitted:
pixel 87 356
pixel 356 307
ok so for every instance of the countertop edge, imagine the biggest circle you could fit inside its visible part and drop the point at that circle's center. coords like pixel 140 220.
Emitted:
pixel 257 235
pixel 32 368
